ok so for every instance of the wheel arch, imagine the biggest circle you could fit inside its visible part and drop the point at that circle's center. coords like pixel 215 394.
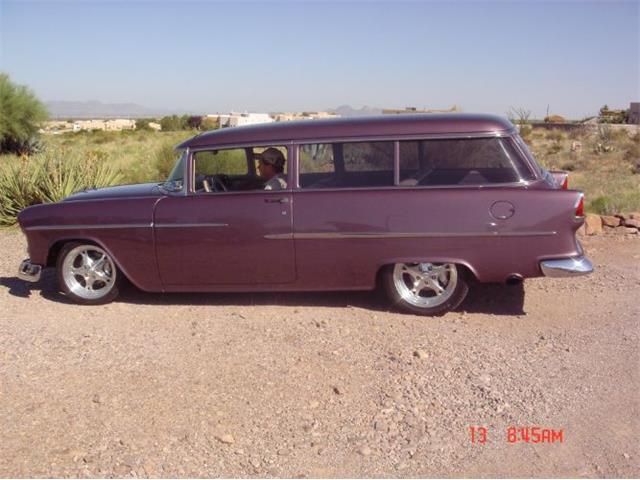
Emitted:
pixel 468 268
pixel 57 245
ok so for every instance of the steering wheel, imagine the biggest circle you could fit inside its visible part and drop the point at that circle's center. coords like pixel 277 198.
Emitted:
pixel 218 182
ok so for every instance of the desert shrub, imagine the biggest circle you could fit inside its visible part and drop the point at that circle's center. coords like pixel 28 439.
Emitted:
pixel 49 176
pixel 602 205
pixel 578 133
pixel 174 123
pixel 568 166
pixel 209 124
pixel 164 158
pixel 143 124
pixel 525 132
pixel 604 140
pixel 20 116
pixel 554 135
pixel 555 147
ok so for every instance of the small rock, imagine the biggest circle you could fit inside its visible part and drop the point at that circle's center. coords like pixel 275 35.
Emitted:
pixel 626 456
pixel 632 223
pixel 226 438
pixel 610 221
pixel 364 451
pixel 593 224
pixel 421 354
pixel 338 390
pixel 96 399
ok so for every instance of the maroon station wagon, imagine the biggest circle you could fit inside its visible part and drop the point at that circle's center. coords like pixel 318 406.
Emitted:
pixel 421 205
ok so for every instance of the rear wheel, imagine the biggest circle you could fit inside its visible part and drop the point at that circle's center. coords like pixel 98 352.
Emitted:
pixel 87 274
pixel 425 288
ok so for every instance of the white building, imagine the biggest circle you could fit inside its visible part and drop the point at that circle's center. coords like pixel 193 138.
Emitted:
pixel 235 119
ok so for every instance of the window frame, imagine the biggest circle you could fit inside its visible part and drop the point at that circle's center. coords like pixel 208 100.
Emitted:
pixel 396 139
pixel 191 170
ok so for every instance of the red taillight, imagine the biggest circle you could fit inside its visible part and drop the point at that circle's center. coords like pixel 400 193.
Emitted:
pixel 565 184
pixel 580 207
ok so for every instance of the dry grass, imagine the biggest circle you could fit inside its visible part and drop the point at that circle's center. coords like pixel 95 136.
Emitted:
pixel 606 165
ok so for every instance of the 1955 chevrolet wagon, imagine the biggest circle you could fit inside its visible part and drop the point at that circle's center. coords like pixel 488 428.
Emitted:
pixel 422 205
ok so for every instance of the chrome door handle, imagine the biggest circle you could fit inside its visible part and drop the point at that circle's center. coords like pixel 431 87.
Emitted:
pixel 277 200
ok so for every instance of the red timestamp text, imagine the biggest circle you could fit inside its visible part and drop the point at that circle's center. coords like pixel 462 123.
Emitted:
pixel 480 435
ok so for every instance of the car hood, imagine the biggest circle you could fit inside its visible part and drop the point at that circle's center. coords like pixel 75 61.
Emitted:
pixel 121 191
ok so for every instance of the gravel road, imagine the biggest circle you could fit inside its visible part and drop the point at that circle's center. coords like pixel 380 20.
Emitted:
pixel 322 385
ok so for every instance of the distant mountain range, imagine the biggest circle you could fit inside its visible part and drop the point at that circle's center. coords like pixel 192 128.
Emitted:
pixel 96 109
pixel 349 111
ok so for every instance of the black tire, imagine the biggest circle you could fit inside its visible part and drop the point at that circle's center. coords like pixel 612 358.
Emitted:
pixel 454 298
pixel 69 287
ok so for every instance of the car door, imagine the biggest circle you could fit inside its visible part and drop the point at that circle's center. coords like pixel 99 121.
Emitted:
pixel 230 239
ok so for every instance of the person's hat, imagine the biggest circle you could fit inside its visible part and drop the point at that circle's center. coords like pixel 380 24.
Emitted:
pixel 272 156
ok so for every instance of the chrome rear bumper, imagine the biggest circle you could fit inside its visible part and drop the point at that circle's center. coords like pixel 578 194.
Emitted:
pixel 29 271
pixel 566 267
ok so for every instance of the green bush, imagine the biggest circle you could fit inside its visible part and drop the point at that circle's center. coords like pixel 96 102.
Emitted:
pixel 20 116
pixel 49 177
pixel 602 205
pixel 164 159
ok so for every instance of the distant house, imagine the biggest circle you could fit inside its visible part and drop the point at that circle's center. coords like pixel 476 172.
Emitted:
pixel 289 116
pixel 89 125
pixel 118 124
pixel 234 119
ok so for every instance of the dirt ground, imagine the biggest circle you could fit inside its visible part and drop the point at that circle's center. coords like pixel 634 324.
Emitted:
pixel 322 385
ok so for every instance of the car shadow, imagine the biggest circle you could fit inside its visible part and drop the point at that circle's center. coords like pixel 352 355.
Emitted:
pixel 495 299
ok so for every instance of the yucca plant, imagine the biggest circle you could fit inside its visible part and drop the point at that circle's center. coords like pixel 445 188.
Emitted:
pixel 49 177
pixel 17 190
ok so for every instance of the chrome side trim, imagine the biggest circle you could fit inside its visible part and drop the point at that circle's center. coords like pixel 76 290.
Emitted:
pixel 371 235
pixel 29 272
pixel 566 267
pixel 190 225
pixel 90 227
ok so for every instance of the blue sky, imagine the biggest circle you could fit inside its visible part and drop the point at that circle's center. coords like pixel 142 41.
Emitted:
pixel 273 56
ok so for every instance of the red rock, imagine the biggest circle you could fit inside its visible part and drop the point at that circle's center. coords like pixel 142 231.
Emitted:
pixel 610 220
pixel 593 224
pixel 632 223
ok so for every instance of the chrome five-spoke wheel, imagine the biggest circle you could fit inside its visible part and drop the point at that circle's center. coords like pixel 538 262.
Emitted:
pixel 425 288
pixel 87 274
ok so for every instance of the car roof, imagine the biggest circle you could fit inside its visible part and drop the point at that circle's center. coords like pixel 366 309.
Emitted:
pixel 338 128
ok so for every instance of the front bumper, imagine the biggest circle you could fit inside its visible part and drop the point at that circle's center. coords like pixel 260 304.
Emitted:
pixel 29 271
pixel 566 267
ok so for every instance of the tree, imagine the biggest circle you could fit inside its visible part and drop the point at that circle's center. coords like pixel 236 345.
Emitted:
pixel 194 122
pixel 519 115
pixel 20 116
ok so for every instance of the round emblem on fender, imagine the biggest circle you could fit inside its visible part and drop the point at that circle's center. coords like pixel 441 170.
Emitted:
pixel 502 210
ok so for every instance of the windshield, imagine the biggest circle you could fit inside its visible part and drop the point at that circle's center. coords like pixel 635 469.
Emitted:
pixel 177 173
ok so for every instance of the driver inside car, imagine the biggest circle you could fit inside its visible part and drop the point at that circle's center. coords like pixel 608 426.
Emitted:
pixel 271 169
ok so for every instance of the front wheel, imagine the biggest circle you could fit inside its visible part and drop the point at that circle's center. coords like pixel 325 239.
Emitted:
pixel 87 274
pixel 425 288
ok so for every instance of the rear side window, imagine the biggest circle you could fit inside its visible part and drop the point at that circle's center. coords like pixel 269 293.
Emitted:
pixel 474 161
pixel 346 165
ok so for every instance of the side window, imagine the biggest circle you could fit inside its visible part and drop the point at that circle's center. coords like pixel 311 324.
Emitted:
pixel 240 169
pixel 346 165
pixel 474 161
